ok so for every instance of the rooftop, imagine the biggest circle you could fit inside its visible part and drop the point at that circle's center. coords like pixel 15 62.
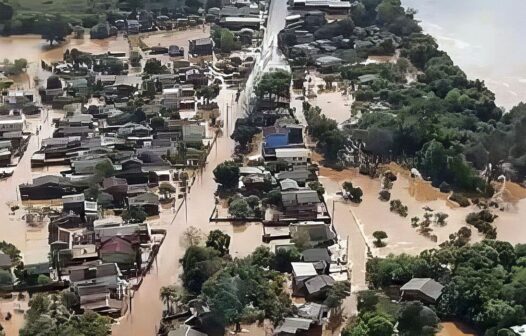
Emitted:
pixel 427 286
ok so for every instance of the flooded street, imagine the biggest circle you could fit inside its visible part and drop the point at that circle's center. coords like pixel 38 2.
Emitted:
pixel 201 201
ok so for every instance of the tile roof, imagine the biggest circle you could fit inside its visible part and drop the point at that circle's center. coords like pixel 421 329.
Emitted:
pixel 427 286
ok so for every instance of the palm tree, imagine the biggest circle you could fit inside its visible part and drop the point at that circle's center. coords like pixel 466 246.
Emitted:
pixel 170 295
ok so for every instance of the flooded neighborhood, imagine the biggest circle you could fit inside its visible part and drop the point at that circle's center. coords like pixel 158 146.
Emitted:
pixel 267 167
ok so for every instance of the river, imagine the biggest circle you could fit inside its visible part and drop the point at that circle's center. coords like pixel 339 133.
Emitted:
pixel 484 37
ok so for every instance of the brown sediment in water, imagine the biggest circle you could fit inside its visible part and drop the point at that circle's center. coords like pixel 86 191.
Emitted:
pixel 455 329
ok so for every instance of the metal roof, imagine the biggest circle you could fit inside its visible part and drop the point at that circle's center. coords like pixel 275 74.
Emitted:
pixel 427 286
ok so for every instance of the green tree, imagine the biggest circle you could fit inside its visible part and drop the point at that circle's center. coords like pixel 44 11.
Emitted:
pixel 53 29
pixel 6 278
pixel 227 174
pixel 43 279
pixel 157 123
pixel 379 235
pixel 227 41
pixel 284 258
pixel 243 134
pixel 134 215
pixel 380 326
pixel 239 208
pixel 415 319
pixel 274 84
pixel 263 257
pixel 199 263
pixel 208 92
pixel 154 66
pixel 337 293
pixel 104 169
pixel 219 241
pixel 318 187
pixel 167 189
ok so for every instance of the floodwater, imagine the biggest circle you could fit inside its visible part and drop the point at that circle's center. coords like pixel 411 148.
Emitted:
pixel 484 37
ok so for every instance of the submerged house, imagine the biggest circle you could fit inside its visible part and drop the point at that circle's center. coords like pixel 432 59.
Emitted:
pixel 48 187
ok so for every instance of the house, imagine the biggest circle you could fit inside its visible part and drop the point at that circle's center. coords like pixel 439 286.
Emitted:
pixel 315 232
pixel 237 23
pixel 133 26
pixel 12 123
pixel 149 202
pixel 288 185
pixel 48 187
pixel 194 133
pixel 298 174
pixel 293 326
pixel 313 311
pixel 316 255
pixel 294 156
pixel 116 187
pixel 301 204
pixel 317 286
pixel 201 47
pixel 333 6
pixel 426 290
pixel 120 251
pixel 328 63
pixel 73 203
pixel 185 330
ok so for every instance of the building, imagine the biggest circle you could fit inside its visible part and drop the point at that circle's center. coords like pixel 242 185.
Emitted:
pixel 201 47
pixel 237 23
pixel 426 290
pixel 294 156
pixel 48 187
pixel 12 123
pixel 149 202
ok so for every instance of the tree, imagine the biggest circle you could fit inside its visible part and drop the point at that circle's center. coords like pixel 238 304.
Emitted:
pixel 337 293
pixel 5 277
pixel 284 258
pixel 227 41
pixel 274 84
pixel 43 279
pixel 356 194
pixel 192 236
pixel 316 185
pixel 157 123
pixel 53 29
pixel 208 92
pixel 167 189
pixel 134 215
pixel 12 251
pixel 380 326
pixel 263 257
pixel 193 5
pixel 367 301
pixel 6 12
pixel 243 134
pixel 227 174
pixel 379 235
pixel 104 169
pixel 273 197
pixel 154 66
pixel 415 319
pixel 239 208
pixel 169 295
pixel 219 241
pixel 199 263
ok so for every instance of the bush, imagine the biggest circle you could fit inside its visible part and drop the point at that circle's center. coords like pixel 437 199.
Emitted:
pixel 398 207
pixel 460 199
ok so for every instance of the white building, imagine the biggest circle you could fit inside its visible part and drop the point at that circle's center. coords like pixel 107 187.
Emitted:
pixel 294 156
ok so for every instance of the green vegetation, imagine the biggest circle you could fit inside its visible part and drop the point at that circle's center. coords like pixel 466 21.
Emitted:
pixel 240 290
pixel 398 207
pixel 330 139
pixel 51 315
pixel 274 85
pixel 379 235
pixel 16 68
pixel 227 174
pixel 134 215
pixel 484 283
pixel 354 194
pixel 224 40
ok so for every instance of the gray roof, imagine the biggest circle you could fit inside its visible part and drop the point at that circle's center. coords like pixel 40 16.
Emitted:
pixel 291 325
pixel 313 311
pixel 316 254
pixel 426 286
pixel 146 198
pixel 289 184
pixel 304 196
pixel 319 282
pixel 297 175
